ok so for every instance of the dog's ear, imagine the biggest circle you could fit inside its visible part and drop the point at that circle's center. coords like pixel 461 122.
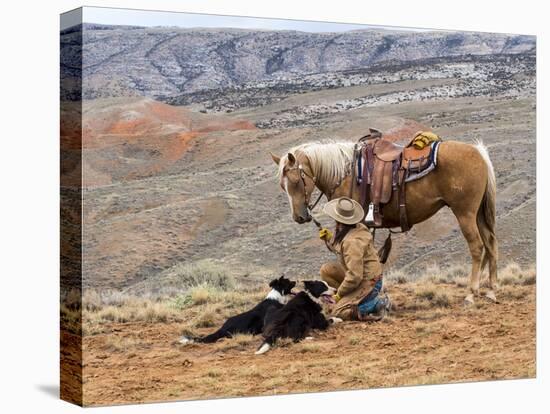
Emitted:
pixel 273 283
pixel 307 284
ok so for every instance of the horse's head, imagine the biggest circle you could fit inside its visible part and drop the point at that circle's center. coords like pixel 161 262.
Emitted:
pixel 297 181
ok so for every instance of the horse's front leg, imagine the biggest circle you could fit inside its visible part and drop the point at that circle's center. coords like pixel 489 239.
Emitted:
pixel 468 225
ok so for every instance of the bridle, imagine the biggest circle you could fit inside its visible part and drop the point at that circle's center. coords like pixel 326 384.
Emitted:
pixel 303 174
pixel 310 206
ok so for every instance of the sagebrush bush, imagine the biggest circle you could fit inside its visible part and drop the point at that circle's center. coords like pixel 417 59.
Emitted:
pixel 195 296
pixel 201 273
pixel 433 295
pixel 442 300
pixel 183 277
pixel 202 295
pixel 134 310
pixel 426 292
pixel 514 274
pixel 206 318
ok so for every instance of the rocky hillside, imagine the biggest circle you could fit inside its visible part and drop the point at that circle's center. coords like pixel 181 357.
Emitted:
pixel 167 61
pixel 460 76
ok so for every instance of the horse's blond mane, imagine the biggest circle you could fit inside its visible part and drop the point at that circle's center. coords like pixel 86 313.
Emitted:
pixel 329 160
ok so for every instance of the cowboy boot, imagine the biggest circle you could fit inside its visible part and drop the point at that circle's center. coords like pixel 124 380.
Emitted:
pixel 383 308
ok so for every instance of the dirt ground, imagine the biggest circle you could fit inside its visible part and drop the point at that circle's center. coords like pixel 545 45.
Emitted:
pixel 431 337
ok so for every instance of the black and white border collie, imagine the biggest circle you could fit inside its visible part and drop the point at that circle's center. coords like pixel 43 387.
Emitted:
pixel 252 321
pixel 299 316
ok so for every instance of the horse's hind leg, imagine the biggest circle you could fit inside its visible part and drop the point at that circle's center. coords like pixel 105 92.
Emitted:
pixel 490 258
pixel 468 225
pixel 493 285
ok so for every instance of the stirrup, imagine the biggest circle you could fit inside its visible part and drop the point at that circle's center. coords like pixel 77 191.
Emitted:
pixel 369 219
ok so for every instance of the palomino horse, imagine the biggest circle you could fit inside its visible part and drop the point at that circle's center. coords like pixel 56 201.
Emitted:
pixel 463 180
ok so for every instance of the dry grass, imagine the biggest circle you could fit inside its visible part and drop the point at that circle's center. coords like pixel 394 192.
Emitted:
pixel 429 379
pixel 200 295
pixel 396 277
pixel 360 375
pixel 200 306
pixel 213 373
pixel 71 319
pixel 184 276
pixel 430 273
pixel 433 295
pixel 133 311
pixel 115 343
pixel 514 274
pixel 239 342
pixel 207 317
pixel 305 347
pixel 206 306
pixel 458 274
pixel 354 340
pixel 427 292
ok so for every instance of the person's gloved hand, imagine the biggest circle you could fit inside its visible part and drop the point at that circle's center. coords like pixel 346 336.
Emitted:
pixel 325 234
pixel 336 297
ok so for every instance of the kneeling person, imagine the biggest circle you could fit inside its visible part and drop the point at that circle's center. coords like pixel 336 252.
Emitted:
pixel 357 275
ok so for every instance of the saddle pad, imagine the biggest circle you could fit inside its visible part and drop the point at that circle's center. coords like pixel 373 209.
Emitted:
pixel 431 164
pixel 412 176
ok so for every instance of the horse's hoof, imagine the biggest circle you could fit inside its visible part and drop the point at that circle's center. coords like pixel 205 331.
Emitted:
pixel 491 296
pixel 469 300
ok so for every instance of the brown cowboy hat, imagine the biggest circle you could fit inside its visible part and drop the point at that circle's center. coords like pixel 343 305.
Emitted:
pixel 344 210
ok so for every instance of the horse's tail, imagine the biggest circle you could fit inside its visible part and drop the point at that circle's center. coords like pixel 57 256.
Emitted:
pixel 486 215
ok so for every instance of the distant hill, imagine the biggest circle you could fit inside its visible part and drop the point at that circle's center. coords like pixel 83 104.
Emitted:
pixel 126 139
pixel 168 61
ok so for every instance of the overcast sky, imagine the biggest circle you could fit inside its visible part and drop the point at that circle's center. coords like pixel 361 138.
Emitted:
pixel 158 18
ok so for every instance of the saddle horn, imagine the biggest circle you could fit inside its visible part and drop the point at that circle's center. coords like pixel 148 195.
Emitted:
pixel 373 134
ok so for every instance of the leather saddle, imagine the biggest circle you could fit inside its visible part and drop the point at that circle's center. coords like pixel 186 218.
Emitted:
pixel 386 167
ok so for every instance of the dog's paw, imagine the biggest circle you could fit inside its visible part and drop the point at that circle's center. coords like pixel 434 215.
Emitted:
pixel 263 349
pixel 309 338
pixel 184 340
pixel 333 320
